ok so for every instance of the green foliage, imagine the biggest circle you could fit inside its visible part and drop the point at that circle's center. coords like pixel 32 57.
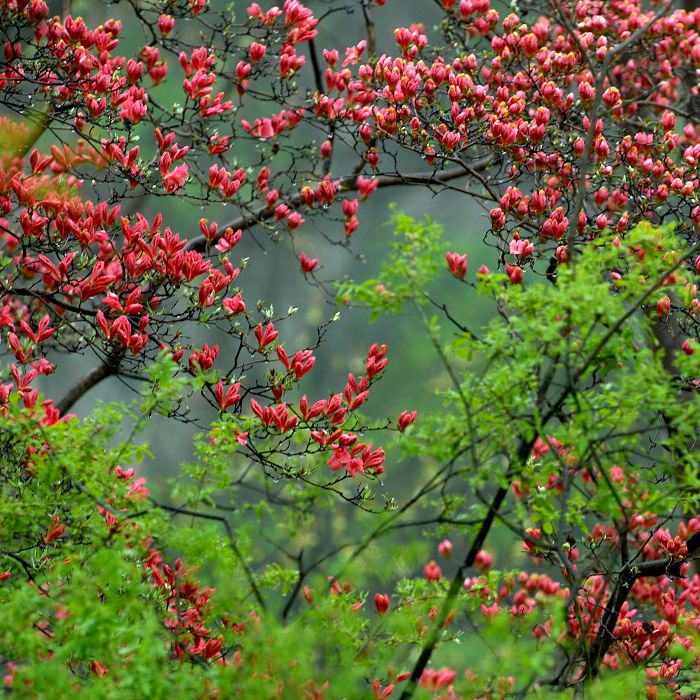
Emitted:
pixel 567 369
pixel 416 252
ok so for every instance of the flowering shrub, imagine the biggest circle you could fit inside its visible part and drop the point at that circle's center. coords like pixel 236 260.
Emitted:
pixel 569 425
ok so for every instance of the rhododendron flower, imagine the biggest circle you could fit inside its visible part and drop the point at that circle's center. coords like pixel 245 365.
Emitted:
pixel 229 240
pixel 241 438
pixel 307 264
pixel 353 53
pixel 138 490
pixel 176 179
pixel 432 571
pixel 663 306
pixel 257 51
pixel 457 264
pixel 483 560
pixel 234 304
pixel 498 218
pixel 405 419
pixel 445 548
pixel 521 248
pixel 301 363
pixel 366 186
pixel 343 459
pixel 55 530
pixel 489 611
pixel 294 220
pixel 166 24
pixel 515 273
pixel 382 693
pixel 266 336
pixel 381 602
pixel 376 360
pixel 98 668
pixel 434 679
pixel 307 195
pixel 230 398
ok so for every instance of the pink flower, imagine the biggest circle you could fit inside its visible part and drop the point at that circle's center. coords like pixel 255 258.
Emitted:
pixel 294 220
pixel 445 548
pixel 668 120
pixel 176 179
pixel 365 186
pixel 307 264
pixel 457 264
pixel 353 53
pixel 489 610
pixel 498 218
pixel 483 560
pixel 663 306
pixel 521 248
pixel 376 360
pixel 235 304
pixel 515 273
pixel 257 52
pixel 406 418
pixel 166 24
pixel 432 571
pixel 433 679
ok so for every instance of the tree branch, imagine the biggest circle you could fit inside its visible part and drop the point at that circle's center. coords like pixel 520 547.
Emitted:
pixel 106 368
pixel 658 567
pixel 347 184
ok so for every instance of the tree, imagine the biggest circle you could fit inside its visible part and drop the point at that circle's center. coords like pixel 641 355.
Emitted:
pixel 567 436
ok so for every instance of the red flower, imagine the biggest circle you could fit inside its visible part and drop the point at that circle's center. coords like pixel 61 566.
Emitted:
pixel 432 571
pixel 166 24
pixel 257 51
pixel 98 668
pixel 434 679
pixel 231 397
pixel 307 264
pixel 235 304
pixel 515 273
pixel 265 337
pixel 445 548
pixel 365 186
pixel 483 560
pixel 54 531
pixel 406 418
pixel 294 220
pixel 376 360
pixel 381 602
pixel 663 306
pixel 457 264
